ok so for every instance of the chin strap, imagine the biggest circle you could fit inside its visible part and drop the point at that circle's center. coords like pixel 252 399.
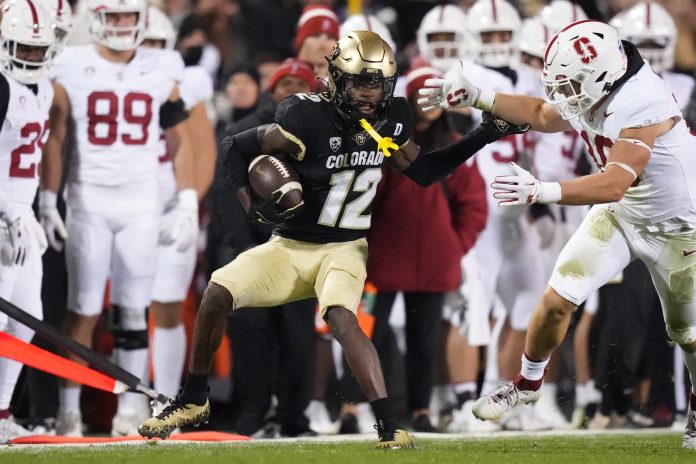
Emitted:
pixel 383 143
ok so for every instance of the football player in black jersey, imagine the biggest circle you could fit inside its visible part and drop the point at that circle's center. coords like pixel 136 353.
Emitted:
pixel 321 250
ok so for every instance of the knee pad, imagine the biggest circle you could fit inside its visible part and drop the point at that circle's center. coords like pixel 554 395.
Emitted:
pixel 129 327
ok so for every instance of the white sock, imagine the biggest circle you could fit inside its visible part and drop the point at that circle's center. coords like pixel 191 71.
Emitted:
pixel 465 387
pixel 9 370
pixel 168 355
pixel 69 398
pixel 690 360
pixel 533 370
pixel 135 362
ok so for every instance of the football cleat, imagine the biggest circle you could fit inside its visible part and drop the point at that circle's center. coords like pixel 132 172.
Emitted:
pixel 501 400
pixel 175 415
pixel 395 439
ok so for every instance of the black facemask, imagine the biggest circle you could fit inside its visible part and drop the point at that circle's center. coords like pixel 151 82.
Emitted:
pixel 192 56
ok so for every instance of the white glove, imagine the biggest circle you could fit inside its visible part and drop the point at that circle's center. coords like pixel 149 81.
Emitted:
pixel 14 252
pixel 546 228
pixel 524 188
pixel 51 221
pixel 179 225
pixel 454 93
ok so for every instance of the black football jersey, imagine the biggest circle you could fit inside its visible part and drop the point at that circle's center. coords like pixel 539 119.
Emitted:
pixel 339 168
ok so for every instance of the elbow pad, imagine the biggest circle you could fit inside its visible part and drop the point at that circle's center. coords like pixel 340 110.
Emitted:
pixel 172 113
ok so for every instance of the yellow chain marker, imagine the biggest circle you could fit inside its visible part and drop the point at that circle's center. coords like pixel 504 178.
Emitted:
pixel 383 143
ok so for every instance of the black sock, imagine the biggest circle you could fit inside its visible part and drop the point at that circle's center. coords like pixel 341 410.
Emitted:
pixel 195 389
pixel 463 397
pixel 382 409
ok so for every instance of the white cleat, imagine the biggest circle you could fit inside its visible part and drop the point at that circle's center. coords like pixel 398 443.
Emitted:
pixel 319 418
pixel 69 423
pixel 9 430
pixel 124 425
pixel 463 420
pixel 494 405
pixel 525 420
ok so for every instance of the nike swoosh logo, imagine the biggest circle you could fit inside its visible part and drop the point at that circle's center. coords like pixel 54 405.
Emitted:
pixel 606 115
pixel 687 253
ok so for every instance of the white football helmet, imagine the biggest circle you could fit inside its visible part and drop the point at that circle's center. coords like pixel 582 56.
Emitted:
pixel 534 37
pixel 581 64
pixel 492 16
pixel 651 29
pixel 443 19
pixel 559 13
pixel 367 22
pixel 62 20
pixel 159 27
pixel 25 23
pixel 113 36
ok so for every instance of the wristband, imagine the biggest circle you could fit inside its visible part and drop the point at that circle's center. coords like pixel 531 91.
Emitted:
pixel 188 199
pixel 485 100
pixel 550 192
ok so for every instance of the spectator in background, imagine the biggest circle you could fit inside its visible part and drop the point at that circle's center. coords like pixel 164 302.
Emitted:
pixel 317 34
pixel 266 65
pixel 192 42
pixel 242 91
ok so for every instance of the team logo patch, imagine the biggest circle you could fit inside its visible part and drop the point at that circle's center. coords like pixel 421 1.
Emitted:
pixel 585 49
pixel 335 143
pixel 360 138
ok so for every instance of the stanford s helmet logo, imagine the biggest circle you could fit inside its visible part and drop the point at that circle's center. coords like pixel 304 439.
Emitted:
pixel 584 48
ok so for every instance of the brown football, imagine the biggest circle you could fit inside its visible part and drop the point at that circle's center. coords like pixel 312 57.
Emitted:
pixel 268 175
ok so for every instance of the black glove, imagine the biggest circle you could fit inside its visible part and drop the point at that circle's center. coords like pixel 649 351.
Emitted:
pixel 498 128
pixel 268 212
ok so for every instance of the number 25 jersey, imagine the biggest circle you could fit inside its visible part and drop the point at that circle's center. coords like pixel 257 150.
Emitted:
pixel 115 107
pixel 339 168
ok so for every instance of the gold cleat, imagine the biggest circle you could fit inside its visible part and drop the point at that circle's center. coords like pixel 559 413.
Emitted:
pixel 175 415
pixel 397 439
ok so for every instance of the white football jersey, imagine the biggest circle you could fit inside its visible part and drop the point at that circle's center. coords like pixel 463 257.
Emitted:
pixel 197 87
pixel 681 85
pixel 115 107
pixel 22 137
pixel 664 195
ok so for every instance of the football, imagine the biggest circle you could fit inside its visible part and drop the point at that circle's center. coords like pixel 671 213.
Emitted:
pixel 268 175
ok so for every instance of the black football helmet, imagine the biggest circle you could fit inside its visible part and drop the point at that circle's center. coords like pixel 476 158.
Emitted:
pixel 361 58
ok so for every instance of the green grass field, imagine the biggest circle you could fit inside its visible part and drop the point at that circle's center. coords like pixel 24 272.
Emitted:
pixel 589 449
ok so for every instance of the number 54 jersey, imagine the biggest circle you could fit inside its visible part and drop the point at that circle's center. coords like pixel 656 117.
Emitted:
pixel 115 108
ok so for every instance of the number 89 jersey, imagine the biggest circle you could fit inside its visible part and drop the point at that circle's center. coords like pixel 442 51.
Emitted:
pixel 339 169
pixel 115 107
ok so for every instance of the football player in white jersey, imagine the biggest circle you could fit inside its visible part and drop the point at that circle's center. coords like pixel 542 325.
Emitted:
pixel 441 36
pixel 643 195
pixel 558 156
pixel 652 30
pixel 176 262
pixel 119 96
pixel 26 49
pixel 505 246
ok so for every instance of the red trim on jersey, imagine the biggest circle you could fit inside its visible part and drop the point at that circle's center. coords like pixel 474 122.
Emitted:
pixel 647 14
pixel 548 47
pixel 34 16
pixel 495 11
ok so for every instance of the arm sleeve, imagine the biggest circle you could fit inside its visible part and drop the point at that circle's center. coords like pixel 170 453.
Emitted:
pixel 291 120
pixel 237 151
pixel 468 204
pixel 427 168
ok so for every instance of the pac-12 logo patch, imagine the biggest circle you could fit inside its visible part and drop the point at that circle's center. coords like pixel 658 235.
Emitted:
pixel 585 49
pixel 335 143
